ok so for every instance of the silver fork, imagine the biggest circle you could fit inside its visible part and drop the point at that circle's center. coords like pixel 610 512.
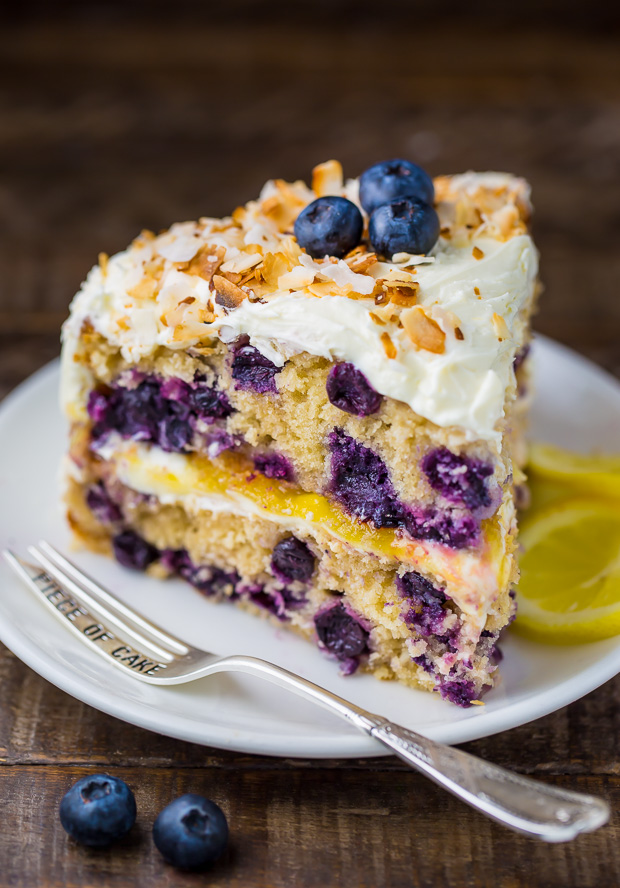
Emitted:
pixel 145 651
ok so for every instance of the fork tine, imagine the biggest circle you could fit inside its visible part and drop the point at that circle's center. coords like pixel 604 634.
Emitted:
pixel 108 614
pixel 88 584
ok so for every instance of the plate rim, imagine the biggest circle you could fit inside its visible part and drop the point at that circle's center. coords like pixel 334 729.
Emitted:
pixel 340 745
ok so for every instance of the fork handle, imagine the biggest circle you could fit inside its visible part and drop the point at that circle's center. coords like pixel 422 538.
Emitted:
pixel 524 805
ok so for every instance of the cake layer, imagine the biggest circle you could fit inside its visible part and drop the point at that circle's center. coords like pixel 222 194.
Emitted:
pixel 228 485
pixel 407 472
pixel 438 333
pixel 392 620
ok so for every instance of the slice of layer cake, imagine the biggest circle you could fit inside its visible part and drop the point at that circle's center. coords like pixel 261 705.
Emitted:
pixel 314 408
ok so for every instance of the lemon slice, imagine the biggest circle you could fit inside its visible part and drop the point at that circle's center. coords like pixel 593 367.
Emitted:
pixel 569 590
pixel 598 475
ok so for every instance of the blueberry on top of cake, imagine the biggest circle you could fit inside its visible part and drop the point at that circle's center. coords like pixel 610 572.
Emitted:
pixel 302 405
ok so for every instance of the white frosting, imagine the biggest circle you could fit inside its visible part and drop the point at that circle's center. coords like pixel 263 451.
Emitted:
pixel 466 386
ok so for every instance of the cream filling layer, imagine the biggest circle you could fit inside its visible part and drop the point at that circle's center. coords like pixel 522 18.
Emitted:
pixel 473 579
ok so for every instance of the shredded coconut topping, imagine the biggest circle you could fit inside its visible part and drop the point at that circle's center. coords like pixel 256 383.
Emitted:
pixel 439 332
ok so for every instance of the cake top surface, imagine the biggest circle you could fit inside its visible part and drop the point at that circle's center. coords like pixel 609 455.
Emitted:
pixel 438 331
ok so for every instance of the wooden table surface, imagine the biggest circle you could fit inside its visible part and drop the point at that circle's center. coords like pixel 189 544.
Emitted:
pixel 118 117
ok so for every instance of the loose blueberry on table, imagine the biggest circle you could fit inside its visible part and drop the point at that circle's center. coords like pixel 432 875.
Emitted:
pixel 191 832
pixel 97 810
pixel 392 180
pixel 329 226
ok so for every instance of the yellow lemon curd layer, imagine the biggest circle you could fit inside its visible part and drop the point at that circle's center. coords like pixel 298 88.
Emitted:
pixel 472 578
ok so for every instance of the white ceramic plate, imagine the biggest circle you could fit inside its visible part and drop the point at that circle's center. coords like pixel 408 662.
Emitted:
pixel 577 406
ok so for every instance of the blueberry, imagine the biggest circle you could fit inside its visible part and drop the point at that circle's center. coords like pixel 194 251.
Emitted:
pixel 131 550
pixel 292 560
pixel 384 182
pixel 452 527
pixel 97 407
pixel 274 465
pixel 520 356
pixel 218 441
pixel 459 479
pixel 340 633
pixel 191 832
pixel 329 226
pixel 407 225
pixel 461 692
pixel 208 579
pixel 360 481
pixel 209 404
pixel 426 612
pixel 349 390
pixel 175 389
pixel 276 601
pixel 139 411
pixel 252 371
pixel 102 507
pixel 174 434
pixel 97 810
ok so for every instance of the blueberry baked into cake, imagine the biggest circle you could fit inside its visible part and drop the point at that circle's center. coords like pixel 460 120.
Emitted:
pixel 314 408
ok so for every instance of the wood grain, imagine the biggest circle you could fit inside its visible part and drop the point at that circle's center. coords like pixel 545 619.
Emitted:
pixel 113 119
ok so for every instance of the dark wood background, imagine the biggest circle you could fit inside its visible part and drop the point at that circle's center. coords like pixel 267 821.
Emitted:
pixel 119 116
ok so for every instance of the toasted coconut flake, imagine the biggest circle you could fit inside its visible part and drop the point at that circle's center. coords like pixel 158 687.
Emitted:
pixel 507 221
pixel 327 178
pixel 284 204
pixel 145 237
pixel 449 321
pixel 382 298
pixel 178 246
pixel 424 332
pixel 296 278
pixel 361 262
pixel 239 215
pixel 388 346
pixel 103 262
pixel 385 312
pixel 206 261
pixel 321 289
pixel 242 262
pixel 476 291
pixel 274 265
pixel 374 317
pixel 403 295
pixel 412 259
pixel 477 253
pixel 291 249
pixel 145 289
pixel 227 294
pixel 400 276
pixel 501 328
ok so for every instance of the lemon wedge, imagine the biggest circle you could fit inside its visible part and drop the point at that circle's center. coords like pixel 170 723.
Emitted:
pixel 596 475
pixel 569 590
